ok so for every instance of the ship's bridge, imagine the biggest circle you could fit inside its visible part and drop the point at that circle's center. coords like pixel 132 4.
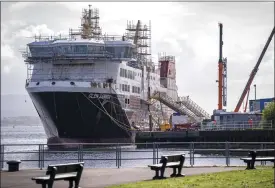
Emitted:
pixel 79 49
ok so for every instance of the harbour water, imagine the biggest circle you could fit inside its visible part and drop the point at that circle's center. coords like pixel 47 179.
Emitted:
pixel 21 132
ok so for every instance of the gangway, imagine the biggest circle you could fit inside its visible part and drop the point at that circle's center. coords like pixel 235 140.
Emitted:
pixel 194 107
pixel 169 102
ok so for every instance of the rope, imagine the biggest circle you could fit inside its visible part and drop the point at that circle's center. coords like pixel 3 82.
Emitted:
pixel 115 121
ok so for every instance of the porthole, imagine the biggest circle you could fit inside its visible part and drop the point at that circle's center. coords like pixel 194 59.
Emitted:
pixel 53 83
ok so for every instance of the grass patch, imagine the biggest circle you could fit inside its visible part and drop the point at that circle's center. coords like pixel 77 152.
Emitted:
pixel 259 178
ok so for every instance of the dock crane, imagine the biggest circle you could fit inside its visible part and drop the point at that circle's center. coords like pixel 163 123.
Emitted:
pixel 253 73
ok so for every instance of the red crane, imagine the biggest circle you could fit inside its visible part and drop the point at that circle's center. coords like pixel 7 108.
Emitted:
pixel 253 73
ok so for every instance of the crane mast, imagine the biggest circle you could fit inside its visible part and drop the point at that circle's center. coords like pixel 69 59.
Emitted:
pixel 222 78
pixel 253 73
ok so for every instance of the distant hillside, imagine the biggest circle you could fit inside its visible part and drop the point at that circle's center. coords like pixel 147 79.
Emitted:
pixel 17 105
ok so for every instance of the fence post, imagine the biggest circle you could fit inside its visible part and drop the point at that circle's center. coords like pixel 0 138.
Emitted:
pixel 43 156
pixel 81 153
pixel 78 153
pixel 117 156
pixel 2 156
pixel 262 162
pixel 227 155
pixel 157 153
pixel 154 153
pixel 39 156
pixel 193 153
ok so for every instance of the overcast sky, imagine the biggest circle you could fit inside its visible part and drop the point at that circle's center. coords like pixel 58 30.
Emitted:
pixel 188 31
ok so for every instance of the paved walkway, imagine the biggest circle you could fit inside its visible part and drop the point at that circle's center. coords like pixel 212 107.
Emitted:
pixel 99 178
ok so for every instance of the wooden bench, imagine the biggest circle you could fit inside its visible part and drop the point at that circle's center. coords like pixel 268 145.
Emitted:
pixel 169 161
pixel 259 155
pixel 68 172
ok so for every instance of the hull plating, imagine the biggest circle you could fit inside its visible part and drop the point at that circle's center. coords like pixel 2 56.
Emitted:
pixel 73 117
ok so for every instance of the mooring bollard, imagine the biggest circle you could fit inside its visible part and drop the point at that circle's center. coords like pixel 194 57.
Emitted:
pixel 13 165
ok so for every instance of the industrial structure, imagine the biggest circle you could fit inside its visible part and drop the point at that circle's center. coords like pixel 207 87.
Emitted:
pixel 253 73
pixel 259 105
pixel 222 79
pixel 220 116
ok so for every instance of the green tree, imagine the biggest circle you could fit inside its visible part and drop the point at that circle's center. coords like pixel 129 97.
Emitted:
pixel 269 113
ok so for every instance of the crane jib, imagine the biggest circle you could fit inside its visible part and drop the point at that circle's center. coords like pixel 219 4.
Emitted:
pixel 254 71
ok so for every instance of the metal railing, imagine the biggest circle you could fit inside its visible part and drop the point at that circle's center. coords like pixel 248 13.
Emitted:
pixel 142 154
pixel 169 102
pixel 238 126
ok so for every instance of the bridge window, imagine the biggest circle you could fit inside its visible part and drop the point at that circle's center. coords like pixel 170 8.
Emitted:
pixel 80 49
pixel 94 49
pixel 110 50
pixel 41 51
pixel 120 52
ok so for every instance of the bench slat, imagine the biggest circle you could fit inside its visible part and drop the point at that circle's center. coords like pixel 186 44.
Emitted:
pixel 259 158
pixel 65 168
pixel 156 165
pixel 173 164
pixel 57 176
pixel 167 165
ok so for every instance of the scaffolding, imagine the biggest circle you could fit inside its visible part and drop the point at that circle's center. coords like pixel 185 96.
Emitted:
pixel 89 25
pixel 141 35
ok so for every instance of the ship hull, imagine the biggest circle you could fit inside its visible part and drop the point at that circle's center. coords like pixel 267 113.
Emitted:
pixel 77 117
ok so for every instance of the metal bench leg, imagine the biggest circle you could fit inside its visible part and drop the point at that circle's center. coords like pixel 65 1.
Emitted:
pixel 70 183
pixel 157 175
pixel 44 185
pixel 252 165
pixel 248 165
pixel 174 172
pixel 162 170
pixel 179 172
pixel 76 184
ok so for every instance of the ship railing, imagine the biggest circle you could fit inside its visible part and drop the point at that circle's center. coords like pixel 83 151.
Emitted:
pixel 124 155
pixel 80 79
pixel 39 38
pixel 238 126
pixel 106 37
pixel 65 56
